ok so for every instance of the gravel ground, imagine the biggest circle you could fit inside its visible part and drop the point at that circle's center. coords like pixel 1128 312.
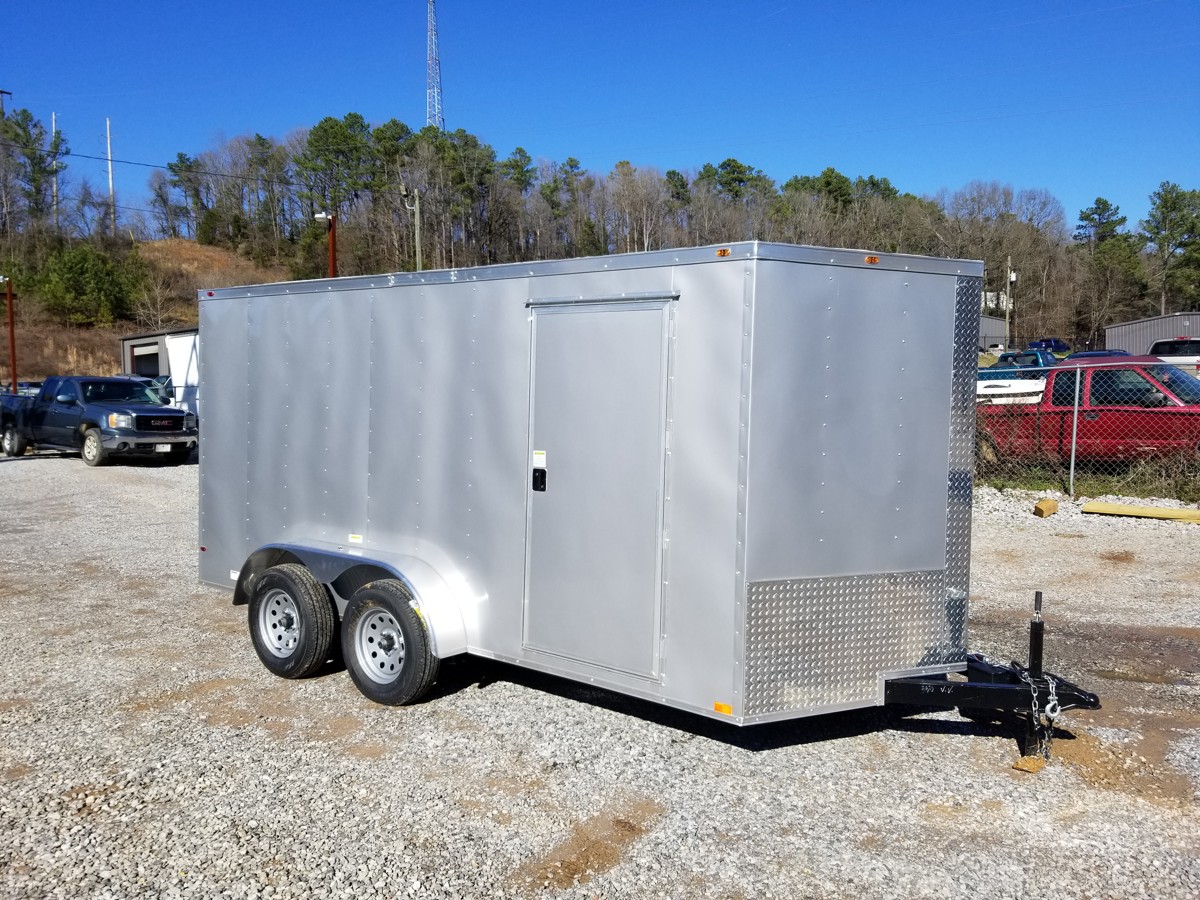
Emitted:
pixel 144 751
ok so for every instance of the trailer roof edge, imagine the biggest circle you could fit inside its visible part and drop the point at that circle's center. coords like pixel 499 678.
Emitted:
pixel 715 253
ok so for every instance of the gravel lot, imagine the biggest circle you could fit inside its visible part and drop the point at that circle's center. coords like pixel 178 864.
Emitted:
pixel 144 751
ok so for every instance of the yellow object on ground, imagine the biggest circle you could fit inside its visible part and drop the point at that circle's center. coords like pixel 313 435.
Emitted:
pixel 1150 512
pixel 1044 508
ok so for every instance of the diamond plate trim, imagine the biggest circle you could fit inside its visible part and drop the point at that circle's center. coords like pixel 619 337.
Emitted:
pixel 968 295
pixel 819 642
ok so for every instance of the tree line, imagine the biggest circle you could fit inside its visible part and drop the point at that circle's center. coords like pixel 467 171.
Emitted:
pixel 258 196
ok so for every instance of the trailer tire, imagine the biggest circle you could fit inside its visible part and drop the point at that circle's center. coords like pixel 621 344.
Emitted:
pixel 386 646
pixel 292 621
pixel 14 443
pixel 93 451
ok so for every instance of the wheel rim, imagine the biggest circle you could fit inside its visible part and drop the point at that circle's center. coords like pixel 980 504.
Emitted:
pixel 279 623
pixel 90 446
pixel 379 646
pixel 8 441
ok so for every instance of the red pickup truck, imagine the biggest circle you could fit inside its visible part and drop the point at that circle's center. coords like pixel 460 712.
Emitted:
pixel 1129 408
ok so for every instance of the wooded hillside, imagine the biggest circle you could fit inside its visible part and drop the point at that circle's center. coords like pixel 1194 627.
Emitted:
pixel 79 261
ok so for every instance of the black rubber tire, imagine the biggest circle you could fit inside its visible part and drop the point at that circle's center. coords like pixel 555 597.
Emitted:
pixel 292 621
pixel 385 644
pixel 93 451
pixel 14 443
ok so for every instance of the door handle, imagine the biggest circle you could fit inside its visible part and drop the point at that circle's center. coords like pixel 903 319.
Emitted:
pixel 539 479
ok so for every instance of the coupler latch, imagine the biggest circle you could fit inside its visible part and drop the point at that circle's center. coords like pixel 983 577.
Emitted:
pixel 1031 692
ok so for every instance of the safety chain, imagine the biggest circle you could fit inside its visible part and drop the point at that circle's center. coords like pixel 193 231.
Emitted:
pixel 1042 720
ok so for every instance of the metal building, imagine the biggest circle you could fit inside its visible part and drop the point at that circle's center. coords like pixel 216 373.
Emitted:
pixel 173 355
pixel 1137 336
pixel 991 331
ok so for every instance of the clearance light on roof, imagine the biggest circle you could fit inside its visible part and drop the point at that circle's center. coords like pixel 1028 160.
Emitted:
pixel 723 251
pixel 872 260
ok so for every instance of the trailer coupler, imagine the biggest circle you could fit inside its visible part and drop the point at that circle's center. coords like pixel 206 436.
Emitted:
pixel 1037 695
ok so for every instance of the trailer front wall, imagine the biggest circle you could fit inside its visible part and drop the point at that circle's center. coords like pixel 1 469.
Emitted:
pixel 851 477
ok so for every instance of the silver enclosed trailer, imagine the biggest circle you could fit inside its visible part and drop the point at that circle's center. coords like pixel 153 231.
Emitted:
pixel 684 475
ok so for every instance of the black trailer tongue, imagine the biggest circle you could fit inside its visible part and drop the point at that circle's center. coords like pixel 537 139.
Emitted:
pixel 1038 696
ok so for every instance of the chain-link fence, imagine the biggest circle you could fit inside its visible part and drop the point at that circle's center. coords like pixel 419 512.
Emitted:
pixel 1121 425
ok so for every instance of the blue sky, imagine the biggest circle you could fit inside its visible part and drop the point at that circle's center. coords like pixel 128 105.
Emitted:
pixel 1082 99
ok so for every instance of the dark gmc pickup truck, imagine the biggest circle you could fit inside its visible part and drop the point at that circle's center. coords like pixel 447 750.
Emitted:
pixel 98 417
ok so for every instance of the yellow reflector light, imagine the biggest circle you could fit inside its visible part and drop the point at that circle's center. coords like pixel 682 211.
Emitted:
pixel 724 251
pixel 723 708
pixel 872 260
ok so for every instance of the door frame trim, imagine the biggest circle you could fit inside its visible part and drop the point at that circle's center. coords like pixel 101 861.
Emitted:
pixel 666 301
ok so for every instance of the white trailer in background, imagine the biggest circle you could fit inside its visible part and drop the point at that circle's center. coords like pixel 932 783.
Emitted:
pixel 171 358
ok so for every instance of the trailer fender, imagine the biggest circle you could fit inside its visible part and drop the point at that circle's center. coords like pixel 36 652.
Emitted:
pixel 434 600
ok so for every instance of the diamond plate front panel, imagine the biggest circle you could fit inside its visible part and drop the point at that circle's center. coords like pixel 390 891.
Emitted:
pixel 962 440
pixel 824 642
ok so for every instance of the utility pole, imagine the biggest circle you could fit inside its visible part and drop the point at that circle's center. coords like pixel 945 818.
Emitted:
pixel 415 209
pixel 53 136
pixel 433 77
pixel 12 334
pixel 1007 302
pixel 112 197
pixel 330 220
pixel 3 94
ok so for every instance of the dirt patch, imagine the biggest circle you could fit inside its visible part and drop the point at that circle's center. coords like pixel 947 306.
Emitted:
pixel 336 729
pixel 17 703
pixel 1124 557
pixel 366 751
pixel 1139 768
pixel 1071 535
pixel 17 772
pixel 594 846
pixel 192 692
pixel 943 811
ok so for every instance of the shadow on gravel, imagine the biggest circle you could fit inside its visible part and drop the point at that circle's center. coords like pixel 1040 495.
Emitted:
pixel 134 462
pixel 465 672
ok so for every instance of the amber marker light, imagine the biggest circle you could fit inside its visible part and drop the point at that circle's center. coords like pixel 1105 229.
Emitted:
pixel 723 708
pixel 872 260
pixel 724 251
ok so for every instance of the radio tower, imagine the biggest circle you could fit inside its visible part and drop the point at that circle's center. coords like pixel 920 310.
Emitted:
pixel 433 77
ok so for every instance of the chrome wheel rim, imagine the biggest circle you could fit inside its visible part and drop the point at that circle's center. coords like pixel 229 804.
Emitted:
pixel 91 446
pixel 379 646
pixel 279 623
pixel 8 441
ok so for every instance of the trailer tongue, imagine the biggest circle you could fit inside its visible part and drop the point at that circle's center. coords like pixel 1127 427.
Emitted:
pixel 1036 695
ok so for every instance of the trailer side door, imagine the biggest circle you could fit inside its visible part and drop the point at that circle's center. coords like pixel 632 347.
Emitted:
pixel 598 400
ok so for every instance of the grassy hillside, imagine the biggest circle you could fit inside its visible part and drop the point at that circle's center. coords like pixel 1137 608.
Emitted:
pixel 179 269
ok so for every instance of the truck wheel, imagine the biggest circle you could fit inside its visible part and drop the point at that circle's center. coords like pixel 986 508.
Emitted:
pixel 291 621
pixel 386 646
pixel 14 444
pixel 94 453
